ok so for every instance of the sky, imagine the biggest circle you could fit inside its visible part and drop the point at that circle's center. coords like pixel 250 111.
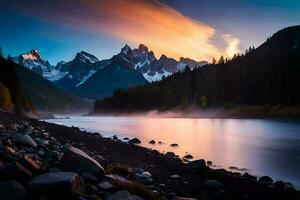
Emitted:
pixel 198 29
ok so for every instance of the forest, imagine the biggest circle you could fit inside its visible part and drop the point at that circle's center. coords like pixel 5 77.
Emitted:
pixel 266 75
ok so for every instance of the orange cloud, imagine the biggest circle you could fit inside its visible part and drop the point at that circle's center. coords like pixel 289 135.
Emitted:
pixel 161 28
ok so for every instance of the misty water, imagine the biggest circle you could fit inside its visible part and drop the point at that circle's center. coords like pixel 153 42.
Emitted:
pixel 261 147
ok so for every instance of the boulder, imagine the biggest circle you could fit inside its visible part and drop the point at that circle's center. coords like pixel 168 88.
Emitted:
pixel 12 190
pixel 23 139
pixel 15 171
pixel 56 185
pixel 212 185
pixel 135 141
pixel 196 165
pixel 78 161
pixel 123 195
pixel 174 145
pixel 265 180
pixel 170 154
pixel 106 186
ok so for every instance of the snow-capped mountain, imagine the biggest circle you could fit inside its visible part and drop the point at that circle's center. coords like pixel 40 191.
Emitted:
pixel 85 74
pixel 33 61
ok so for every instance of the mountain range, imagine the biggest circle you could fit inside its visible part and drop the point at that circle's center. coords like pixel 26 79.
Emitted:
pixel 89 77
pixel 266 76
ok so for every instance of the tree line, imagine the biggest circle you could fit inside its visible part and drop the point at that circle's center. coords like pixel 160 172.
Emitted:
pixel 266 75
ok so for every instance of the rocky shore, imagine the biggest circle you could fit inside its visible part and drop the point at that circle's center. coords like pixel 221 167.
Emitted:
pixel 39 160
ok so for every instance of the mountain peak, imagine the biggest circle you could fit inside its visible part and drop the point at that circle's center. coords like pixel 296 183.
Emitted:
pixel 32 55
pixel 143 47
pixel 126 49
pixel 86 57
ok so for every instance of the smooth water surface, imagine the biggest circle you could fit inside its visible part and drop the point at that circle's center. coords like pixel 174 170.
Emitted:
pixel 263 147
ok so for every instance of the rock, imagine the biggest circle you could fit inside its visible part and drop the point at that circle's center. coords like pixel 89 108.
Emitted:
pixel 106 186
pixel 145 177
pixel 279 185
pixel 209 163
pixel 15 171
pixel 152 142
pixel 170 154
pixel 174 145
pixel 126 138
pixel 160 142
pixel 31 164
pixel 184 198
pixel 78 161
pixel 248 176
pixel 196 165
pixel 123 195
pixel 23 139
pixel 117 178
pixel 175 176
pixel 89 178
pixel 135 141
pixel 138 170
pixel 188 156
pixel 212 185
pixel 115 137
pixel 56 185
pixel 265 180
pixel 12 190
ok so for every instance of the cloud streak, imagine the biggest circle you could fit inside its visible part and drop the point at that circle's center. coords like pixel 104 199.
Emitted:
pixel 163 29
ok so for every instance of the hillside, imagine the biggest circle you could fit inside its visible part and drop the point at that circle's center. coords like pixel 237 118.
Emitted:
pixel 12 96
pixel 268 74
pixel 47 98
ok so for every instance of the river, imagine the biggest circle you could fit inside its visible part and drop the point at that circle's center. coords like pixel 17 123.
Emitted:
pixel 260 147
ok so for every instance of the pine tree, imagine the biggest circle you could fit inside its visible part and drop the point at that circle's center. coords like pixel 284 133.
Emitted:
pixel 214 61
pixel 221 60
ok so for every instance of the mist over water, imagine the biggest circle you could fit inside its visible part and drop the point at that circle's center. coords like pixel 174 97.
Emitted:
pixel 263 147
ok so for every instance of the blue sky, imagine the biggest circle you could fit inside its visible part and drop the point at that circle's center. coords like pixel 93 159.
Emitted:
pixel 248 21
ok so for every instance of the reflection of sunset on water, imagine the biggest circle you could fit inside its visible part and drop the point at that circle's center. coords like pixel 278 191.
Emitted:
pixel 252 144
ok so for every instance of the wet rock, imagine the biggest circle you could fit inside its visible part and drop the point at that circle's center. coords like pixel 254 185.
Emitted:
pixel 12 190
pixel 212 185
pixel 209 163
pixel 175 176
pixel 174 145
pixel 188 156
pixel 145 177
pixel 106 186
pixel 184 198
pixel 115 137
pixel 265 180
pixel 126 138
pixel 196 165
pixel 56 185
pixel 135 141
pixel 123 195
pixel 78 161
pixel 15 171
pixel 23 139
pixel 30 163
pixel 152 142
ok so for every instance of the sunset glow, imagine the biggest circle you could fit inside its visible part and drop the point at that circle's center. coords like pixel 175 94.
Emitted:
pixel 163 29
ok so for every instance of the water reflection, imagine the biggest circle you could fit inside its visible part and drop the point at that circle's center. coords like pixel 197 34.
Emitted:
pixel 262 146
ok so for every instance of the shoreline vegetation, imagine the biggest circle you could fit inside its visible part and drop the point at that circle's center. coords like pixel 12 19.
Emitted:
pixel 41 159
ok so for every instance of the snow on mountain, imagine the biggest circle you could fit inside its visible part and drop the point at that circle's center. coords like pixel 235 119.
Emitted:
pixel 129 67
